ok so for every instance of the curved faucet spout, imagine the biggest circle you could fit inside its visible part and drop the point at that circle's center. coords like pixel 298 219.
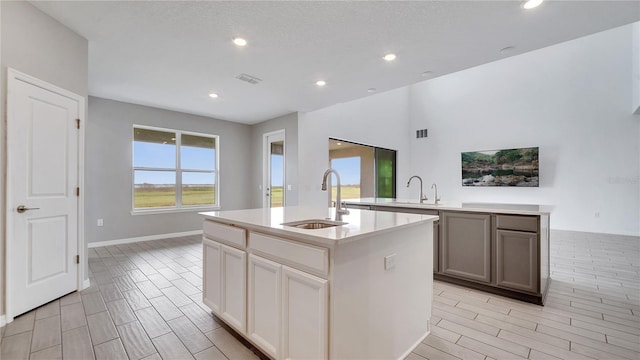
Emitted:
pixel 422 197
pixel 339 206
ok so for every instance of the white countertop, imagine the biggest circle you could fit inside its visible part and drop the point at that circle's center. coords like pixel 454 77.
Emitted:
pixel 360 223
pixel 519 209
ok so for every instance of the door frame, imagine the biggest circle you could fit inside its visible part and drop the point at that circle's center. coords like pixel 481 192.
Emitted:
pixel 266 161
pixel 13 76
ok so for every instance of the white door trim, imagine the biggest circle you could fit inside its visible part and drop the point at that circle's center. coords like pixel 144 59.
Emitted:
pixel 266 164
pixel 12 77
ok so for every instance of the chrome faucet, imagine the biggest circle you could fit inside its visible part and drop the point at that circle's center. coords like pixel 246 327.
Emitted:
pixel 434 186
pixel 339 204
pixel 422 198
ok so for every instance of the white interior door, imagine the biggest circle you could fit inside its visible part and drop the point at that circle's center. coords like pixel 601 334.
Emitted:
pixel 42 165
pixel 274 183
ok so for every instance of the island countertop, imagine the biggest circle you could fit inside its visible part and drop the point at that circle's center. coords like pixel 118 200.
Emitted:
pixel 360 223
pixel 500 208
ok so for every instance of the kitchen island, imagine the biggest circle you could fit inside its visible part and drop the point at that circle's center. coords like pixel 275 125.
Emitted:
pixel 359 289
pixel 499 248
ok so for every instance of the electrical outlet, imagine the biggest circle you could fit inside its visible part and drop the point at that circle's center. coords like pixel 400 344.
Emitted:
pixel 100 222
pixel 597 215
pixel 390 262
pixel 289 187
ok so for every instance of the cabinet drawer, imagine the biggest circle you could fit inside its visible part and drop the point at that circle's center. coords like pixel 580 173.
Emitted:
pixel 301 256
pixel 227 234
pixel 514 222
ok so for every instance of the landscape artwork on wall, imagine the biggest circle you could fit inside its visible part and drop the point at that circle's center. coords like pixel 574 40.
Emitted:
pixel 508 167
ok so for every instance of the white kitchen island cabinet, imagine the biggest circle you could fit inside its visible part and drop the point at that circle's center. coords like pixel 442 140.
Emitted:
pixel 225 282
pixel 356 290
pixel 287 310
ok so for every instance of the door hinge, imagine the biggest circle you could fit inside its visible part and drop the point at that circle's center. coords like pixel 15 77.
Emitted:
pixel 77 191
pixel 78 123
pixel 77 259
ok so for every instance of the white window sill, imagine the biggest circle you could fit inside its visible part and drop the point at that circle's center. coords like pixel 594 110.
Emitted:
pixel 173 210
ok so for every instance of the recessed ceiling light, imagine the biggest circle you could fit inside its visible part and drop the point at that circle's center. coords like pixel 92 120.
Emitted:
pixel 530 4
pixel 389 57
pixel 213 95
pixel 427 73
pixel 371 90
pixel 321 83
pixel 239 41
pixel 338 143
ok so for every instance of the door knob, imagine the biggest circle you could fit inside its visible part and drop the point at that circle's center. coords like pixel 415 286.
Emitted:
pixel 22 209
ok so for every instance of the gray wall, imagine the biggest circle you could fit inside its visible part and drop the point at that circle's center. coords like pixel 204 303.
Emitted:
pixel 38 45
pixel 290 124
pixel 109 169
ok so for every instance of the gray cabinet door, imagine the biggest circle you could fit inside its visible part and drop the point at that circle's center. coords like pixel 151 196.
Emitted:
pixel 436 246
pixel 466 245
pixel 517 260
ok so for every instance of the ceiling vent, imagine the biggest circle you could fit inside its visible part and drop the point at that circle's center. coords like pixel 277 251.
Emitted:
pixel 248 78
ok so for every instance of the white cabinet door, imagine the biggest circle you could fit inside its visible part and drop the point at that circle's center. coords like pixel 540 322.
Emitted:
pixel 211 275
pixel 234 280
pixel 305 315
pixel 265 304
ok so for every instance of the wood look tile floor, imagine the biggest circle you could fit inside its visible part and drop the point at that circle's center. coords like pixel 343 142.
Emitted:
pixel 145 303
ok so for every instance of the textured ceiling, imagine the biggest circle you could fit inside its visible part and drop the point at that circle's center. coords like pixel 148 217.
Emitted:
pixel 172 54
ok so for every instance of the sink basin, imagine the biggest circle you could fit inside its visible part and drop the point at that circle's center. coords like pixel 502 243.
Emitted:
pixel 314 224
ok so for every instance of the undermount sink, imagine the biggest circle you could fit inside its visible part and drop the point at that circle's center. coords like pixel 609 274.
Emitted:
pixel 314 224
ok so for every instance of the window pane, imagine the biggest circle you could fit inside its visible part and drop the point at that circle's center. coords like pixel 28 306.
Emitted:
pixel 349 170
pixel 198 188
pixel 198 152
pixel 154 189
pixel 277 177
pixel 154 149
pixel 385 173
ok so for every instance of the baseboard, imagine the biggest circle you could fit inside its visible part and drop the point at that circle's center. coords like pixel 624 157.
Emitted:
pixel 3 321
pixel 85 284
pixel 142 238
pixel 414 346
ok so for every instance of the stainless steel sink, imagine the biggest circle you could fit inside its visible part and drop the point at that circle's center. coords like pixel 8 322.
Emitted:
pixel 314 224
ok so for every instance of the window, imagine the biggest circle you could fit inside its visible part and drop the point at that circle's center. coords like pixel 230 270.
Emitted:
pixel 174 169
pixel 349 170
pixel 365 171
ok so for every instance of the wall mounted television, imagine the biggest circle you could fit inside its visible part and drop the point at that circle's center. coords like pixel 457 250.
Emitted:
pixel 507 167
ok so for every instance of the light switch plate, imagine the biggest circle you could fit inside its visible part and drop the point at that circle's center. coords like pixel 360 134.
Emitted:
pixel 390 262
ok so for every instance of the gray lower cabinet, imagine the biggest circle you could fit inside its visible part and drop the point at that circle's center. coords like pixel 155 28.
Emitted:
pixel 507 254
pixel 517 260
pixel 436 246
pixel 466 245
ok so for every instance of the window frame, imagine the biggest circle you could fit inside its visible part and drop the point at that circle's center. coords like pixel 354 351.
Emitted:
pixel 178 207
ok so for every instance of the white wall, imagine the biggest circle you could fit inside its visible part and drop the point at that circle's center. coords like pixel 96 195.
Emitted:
pixel 379 120
pixel 636 69
pixel 573 100
pixel 38 45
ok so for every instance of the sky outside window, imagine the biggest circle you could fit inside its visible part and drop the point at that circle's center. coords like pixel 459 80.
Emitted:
pixel 349 170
